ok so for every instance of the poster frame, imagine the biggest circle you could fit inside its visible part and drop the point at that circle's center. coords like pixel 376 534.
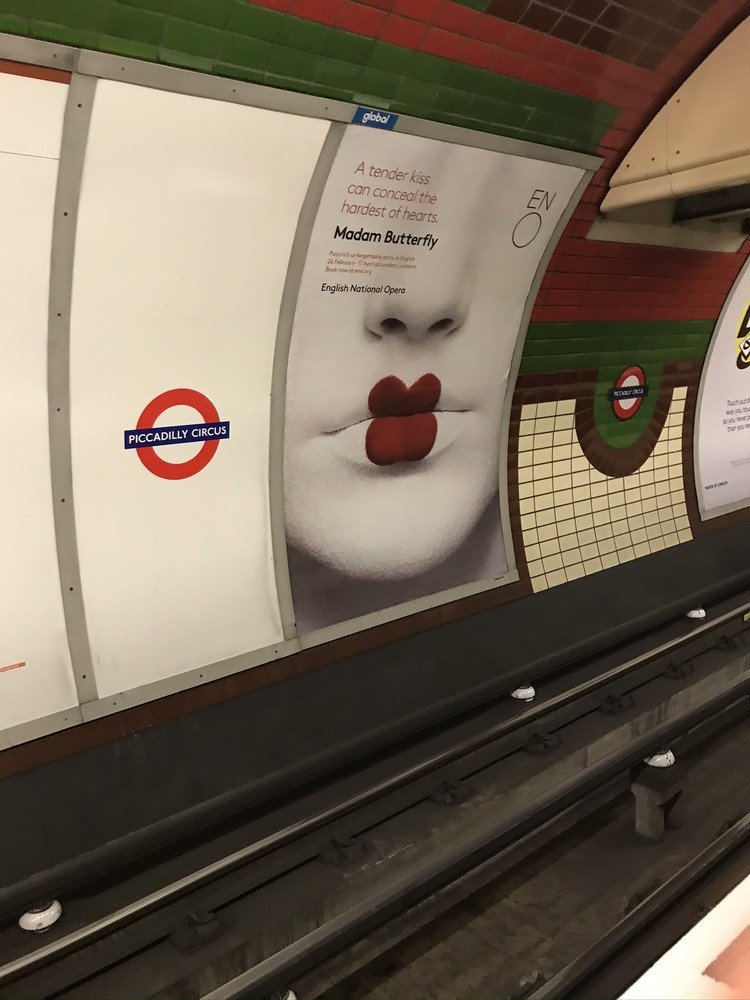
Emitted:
pixel 88 66
pixel 730 508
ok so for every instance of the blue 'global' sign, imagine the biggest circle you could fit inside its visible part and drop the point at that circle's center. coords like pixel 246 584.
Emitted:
pixel 374 118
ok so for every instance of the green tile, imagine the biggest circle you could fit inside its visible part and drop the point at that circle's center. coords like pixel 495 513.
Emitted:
pixel 239 50
pixel 390 58
pixel 159 6
pixel 308 36
pixel 18 8
pixel 65 36
pixel 292 64
pixel 134 24
pixel 432 70
pixel 187 60
pixel 247 19
pixel 14 25
pixel 340 75
pixel 213 13
pixel 84 14
pixel 454 102
pixel 193 39
pixel 418 93
pixel 346 47
pixel 378 83
pixel 123 47
pixel 240 72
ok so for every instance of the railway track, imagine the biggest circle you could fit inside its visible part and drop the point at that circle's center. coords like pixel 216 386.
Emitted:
pixel 423 815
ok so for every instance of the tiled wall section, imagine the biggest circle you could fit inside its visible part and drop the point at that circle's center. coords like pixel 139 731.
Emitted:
pixel 576 521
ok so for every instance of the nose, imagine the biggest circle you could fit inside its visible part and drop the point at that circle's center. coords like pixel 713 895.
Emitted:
pixel 415 318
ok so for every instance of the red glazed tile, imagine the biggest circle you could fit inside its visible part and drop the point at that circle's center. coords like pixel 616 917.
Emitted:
pixel 419 10
pixel 323 11
pixel 401 31
pixel 361 20
pixel 441 43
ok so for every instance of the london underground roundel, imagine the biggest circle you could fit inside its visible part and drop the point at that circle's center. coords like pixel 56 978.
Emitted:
pixel 147 435
pixel 628 392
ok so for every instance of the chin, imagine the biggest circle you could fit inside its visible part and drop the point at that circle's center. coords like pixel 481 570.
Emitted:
pixel 392 536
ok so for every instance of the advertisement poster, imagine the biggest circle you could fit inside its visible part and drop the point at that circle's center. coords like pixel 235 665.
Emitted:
pixel 723 419
pixel 36 677
pixel 173 330
pixel 410 305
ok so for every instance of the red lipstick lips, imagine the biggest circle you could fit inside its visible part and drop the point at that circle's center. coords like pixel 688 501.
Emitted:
pixel 404 428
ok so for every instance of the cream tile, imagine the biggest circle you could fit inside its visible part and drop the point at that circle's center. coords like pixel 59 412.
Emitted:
pixel 563 497
pixel 654 531
pixel 525 475
pixel 589 551
pixel 566 527
pixel 642 549
pixel 550 547
pixel 636 521
pixel 602 517
pixel 539 583
pixel 626 554
pixel 551 563
pixel 530 537
pixel 542 486
pixel 581 463
pixel 528 411
pixel 620 528
pixel 584 522
pixel 574 572
pixel 599 489
pixel 639 535
pixel 582 507
pixel 671 539
pixel 565 406
pixel 616 485
pixel 546 531
pixel 544 501
pixel 600 503
pixel 686 535
pixel 666 514
pixel 682 523
pixel 606 545
pixel 548 409
pixel 536 568
pixel 648 504
pixel 656 544
pixel 528 521
pixel 610 559
pixel 525 443
pixel 604 531
pixel 619 513
pixel 543 441
pixel 561 441
pixel 580 479
pixel 593 565
pixel 568 542
pixel 542 470
pixel 524 459
pixel 651 517
pixel 571 557
pixel 557 577
pixel 563 511
pixel 526 506
pixel 543 425
pixel 586 537
pixel 545 517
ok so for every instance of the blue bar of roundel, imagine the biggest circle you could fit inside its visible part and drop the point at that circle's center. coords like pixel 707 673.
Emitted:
pixel 178 434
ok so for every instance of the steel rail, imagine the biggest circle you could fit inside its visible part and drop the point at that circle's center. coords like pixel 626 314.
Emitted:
pixel 276 972
pixel 565 981
pixel 180 887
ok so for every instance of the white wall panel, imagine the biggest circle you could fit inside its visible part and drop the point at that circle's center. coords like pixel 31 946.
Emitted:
pixel 188 211
pixel 35 673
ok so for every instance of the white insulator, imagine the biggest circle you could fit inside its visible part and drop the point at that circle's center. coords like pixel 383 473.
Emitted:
pixel 40 918
pixel 697 613
pixel 524 693
pixel 664 758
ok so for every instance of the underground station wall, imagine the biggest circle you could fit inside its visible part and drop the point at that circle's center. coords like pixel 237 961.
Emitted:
pixel 331 411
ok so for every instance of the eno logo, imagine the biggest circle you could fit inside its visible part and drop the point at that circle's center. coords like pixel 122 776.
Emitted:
pixel 374 118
